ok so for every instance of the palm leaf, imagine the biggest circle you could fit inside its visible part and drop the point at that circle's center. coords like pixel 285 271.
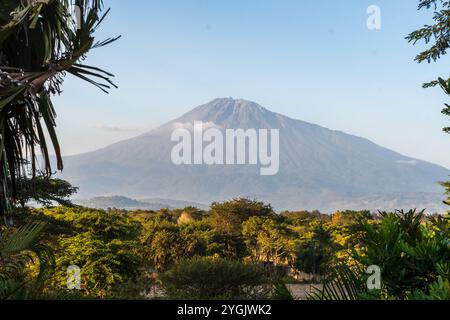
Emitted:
pixel 50 45
pixel 16 250
pixel 342 283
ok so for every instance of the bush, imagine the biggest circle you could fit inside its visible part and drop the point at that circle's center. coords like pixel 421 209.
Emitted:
pixel 216 279
pixel 105 245
pixel 411 253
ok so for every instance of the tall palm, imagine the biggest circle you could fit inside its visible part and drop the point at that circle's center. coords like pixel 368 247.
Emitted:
pixel 40 42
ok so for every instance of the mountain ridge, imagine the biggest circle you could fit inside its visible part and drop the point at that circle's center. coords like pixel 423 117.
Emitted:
pixel 121 202
pixel 317 165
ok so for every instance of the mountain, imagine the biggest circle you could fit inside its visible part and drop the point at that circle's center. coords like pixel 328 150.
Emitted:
pixel 319 168
pixel 121 202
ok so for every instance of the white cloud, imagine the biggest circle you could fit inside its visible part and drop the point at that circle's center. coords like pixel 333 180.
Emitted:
pixel 118 129
pixel 190 125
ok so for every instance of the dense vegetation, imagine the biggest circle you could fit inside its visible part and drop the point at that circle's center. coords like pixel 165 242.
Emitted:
pixel 189 253
pixel 237 249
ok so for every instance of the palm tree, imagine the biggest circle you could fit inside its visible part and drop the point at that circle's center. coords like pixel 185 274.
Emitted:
pixel 18 248
pixel 341 283
pixel 411 252
pixel 40 42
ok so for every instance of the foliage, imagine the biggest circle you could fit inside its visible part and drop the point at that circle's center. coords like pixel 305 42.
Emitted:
pixel 104 225
pixel 440 290
pixel 439 34
pixel 121 254
pixel 303 217
pixel 445 85
pixel 406 251
pixel 268 240
pixel 227 217
pixel 163 247
pixel 50 44
pixel 446 185
pixel 341 283
pixel 312 257
pixel 18 249
pixel 227 246
pixel 166 242
pixel 105 246
pixel 412 253
pixel 211 279
pixel 103 264
pixel 281 292
pixel 40 43
pixel 44 190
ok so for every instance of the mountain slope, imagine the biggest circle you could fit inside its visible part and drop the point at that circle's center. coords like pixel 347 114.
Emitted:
pixel 121 202
pixel 318 166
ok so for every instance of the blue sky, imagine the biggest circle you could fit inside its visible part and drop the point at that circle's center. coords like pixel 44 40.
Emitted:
pixel 313 60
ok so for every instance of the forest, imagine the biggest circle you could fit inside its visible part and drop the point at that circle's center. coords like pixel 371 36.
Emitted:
pixel 238 249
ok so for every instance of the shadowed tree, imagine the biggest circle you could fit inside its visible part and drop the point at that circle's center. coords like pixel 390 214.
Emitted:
pixel 447 192
pixel 45 191
pixel 40 42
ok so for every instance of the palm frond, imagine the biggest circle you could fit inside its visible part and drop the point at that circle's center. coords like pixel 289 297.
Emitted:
pixel 51 44
pixel 17 249
pixel 342 283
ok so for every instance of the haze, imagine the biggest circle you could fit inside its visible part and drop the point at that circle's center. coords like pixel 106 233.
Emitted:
pixel 311 60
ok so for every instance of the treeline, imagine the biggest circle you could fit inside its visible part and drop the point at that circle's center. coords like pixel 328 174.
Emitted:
pixel 238 249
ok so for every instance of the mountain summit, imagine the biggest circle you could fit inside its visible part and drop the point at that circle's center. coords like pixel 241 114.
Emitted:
pixel 232 113
pixel 319 168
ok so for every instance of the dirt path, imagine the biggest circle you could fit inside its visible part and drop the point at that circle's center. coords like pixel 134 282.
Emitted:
pixel 300 291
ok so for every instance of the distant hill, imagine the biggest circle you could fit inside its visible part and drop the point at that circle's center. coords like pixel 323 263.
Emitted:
pixel 319 168
pixel 432 202
pixel 120 202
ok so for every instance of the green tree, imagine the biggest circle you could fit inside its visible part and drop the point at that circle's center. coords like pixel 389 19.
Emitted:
pixel 105 245
pixel 438 34
pixel 163 245
pixel 315 250
pixel 212 279
pixel 311 257
pixel 40 42
pixel 446 185
pixel 104 264
pixel 44 190
pixel 302 218
pixel 227 217
pixel 105 225
pixel 268 240
pixel 227 246
pixel 194 238
pixel 347 234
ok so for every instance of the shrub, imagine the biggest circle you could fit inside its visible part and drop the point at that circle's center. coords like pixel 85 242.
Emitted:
pixel 216 279
pixel 410 253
